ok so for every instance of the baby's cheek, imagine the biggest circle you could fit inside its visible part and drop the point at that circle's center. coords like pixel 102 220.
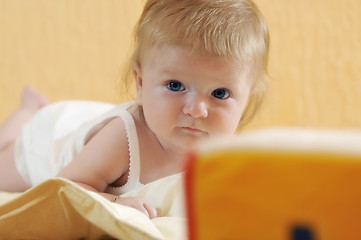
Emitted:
pixel 231 127
pixel 225 128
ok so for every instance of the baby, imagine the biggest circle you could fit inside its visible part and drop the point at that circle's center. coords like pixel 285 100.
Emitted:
pixel 199 69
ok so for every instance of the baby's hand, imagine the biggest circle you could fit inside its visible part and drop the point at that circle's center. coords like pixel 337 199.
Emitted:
pixel 139 203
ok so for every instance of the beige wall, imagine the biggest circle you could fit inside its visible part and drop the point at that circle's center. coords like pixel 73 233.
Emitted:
pixel 74 50
pixel 67 49
pixel 315 63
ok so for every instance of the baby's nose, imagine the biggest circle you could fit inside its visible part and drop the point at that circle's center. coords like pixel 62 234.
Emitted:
pixel 196 107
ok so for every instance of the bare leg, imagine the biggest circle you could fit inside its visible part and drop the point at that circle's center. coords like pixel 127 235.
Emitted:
pixel 31 102
pixel 10 178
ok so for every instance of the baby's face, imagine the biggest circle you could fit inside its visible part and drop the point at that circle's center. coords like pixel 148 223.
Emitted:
pixel 187 97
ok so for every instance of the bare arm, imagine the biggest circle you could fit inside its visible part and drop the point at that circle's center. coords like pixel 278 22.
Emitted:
pixel 138 203
pixel 103 160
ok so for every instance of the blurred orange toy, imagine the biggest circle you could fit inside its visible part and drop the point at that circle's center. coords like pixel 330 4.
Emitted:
pixel 288 186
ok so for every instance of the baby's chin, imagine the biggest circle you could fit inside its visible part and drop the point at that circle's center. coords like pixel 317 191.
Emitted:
pixel 190 146
pixel 196 144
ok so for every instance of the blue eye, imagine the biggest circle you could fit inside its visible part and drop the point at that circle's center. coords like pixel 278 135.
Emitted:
pixel 220 93
pixel 175 86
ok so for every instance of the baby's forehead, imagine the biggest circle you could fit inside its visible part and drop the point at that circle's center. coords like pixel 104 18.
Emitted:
pixel 178 61
pixel 191 53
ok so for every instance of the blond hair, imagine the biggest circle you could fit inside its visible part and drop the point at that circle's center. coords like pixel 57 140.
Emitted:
pixel 233 30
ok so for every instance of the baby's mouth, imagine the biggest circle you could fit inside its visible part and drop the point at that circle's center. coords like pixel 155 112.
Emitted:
pixel 194 130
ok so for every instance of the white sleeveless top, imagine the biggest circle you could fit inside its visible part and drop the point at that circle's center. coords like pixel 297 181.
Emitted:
pixel 59 131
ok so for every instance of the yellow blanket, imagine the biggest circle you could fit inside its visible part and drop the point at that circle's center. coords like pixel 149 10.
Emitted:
pixel 59 209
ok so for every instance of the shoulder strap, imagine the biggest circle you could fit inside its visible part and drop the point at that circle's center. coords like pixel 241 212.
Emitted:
pixel 134 158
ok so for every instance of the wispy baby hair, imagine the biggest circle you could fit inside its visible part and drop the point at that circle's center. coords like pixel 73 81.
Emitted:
pixel 232 30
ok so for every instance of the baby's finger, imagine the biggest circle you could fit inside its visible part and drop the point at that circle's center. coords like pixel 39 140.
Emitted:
pixel 144 210
pixel 152 212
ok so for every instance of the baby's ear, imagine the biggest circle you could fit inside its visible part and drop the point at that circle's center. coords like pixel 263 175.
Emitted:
pixel 259 89
pixel 253 90
pixel 137 71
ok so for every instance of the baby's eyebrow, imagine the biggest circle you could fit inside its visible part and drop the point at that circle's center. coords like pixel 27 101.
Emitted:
pixel 167 71
pixel 171 74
